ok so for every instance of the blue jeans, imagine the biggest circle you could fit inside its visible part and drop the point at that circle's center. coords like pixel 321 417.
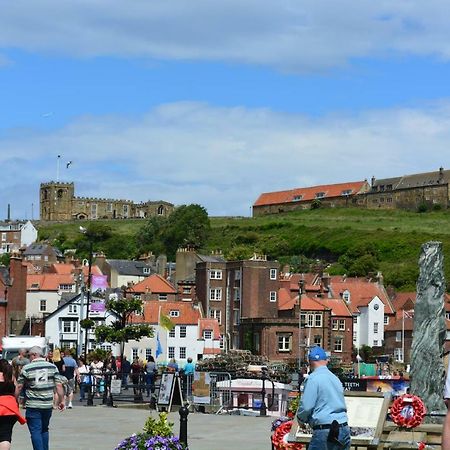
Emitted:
pixel 38 421
pixel 319 440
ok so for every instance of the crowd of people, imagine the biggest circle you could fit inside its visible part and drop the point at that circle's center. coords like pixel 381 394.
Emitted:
pixel 39 384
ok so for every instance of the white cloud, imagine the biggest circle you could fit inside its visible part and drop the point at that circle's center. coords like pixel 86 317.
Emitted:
pixel 286 34
pixel 222 158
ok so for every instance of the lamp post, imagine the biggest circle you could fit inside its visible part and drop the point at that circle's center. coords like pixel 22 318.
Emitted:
pixel 88 297
pixel 301 288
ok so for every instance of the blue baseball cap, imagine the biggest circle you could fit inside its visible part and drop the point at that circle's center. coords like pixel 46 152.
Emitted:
pixel 317 354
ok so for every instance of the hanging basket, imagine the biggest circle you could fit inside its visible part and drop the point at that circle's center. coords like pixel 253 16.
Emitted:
pixel 408 411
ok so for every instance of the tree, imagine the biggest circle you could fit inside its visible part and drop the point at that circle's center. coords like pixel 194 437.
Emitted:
pixel 122 330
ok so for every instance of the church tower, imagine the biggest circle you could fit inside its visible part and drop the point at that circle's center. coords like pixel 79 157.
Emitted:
pixel 56 200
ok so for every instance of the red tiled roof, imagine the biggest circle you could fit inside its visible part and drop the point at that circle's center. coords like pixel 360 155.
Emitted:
pixel 48 281
pixel 188 314
pixel 62 269
pixel 154 284
pixel 362 292
pixel 397 325
pixel 209 324
pixel 308 193
pixel 337 305
pixel 285 300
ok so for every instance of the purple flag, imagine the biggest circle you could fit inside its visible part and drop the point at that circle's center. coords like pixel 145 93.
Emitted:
pixel 97 307
pixel 99 282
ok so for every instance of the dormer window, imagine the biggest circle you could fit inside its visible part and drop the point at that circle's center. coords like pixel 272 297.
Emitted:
pixel 346 296
pixel 146 270
pixel 297 198
pixel 320 194
pixel 347 192
pixel 174 313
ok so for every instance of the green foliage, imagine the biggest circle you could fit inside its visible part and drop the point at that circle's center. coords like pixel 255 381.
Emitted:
pixel 188 225
pixel 365 352
pixel 87 323
pixel 121 330
pixel 422 208
pixel 293 404
pixel 160 427
pixel 98 354
pixel 4 259
pixel 316 204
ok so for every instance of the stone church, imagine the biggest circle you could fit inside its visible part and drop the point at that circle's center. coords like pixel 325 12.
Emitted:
pixel 58 203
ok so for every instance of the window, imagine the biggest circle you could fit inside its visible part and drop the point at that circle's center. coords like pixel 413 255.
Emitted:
pixel 284 342
pixel 171 352
pixel 237 294
pixel 73 309
pixel 338 345
pixel 318 320
pixel 146 270
pixel 320 194
pixel 389 200
pixel 109 207
pixel 160 210
pixel 273 296
pixel 182 331
pixel 148 353
pixel 125 210
pixel 187 290
pixel 375 327
pixel 4 237
pixel 375 342
pixel 310 320
pixel 236 318
pixel 273 274
pixel 398 336
pixel 207 334
pixel 69 326
pixel 354 336
pixel 215 274
pixel 318 340
pixel 172 332
pixel 134 353
pixel 94 210
pixel 342 324
pixel 237 275
pixel 355 319
pixel 65 287
pixel 222 342
pixel 335 324
pixel 297 198
pixel 43 305
pixel 346 192
pixel 386 320
pixel 182 352
pixel 398 354
pixel 137 296
pixel 216 314
pixel 215 294
pixel 174 313
pixel 162 297
pixel 346 296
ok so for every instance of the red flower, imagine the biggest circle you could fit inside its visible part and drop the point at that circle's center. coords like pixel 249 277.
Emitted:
pixel 278 438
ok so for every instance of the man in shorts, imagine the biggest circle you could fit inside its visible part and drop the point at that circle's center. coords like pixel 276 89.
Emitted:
pixel 70 372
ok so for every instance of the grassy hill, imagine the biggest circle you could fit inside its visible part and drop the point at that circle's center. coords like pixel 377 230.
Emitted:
pixel 348 240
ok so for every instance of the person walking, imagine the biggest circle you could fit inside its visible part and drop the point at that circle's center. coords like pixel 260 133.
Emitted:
pixel 70 372
pixel 126 369
pixel 150 371
pixel 40 378
pixel 85 378
pixel 322 405
pixel 9 409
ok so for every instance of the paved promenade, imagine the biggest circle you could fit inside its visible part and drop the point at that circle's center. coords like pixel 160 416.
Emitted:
pixel 102 428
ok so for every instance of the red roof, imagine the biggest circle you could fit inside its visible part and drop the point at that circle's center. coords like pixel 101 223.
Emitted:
pixel 154 284
pixel 48 281
pixel 62 268
pixel 309 193
pixel 188 315
pixel 362 292
pixel 209 324
pixel 337 305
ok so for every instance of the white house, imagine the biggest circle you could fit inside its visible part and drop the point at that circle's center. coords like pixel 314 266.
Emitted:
pixel 62 326
pixel 370 306
pixel 16 234
pixel 192 336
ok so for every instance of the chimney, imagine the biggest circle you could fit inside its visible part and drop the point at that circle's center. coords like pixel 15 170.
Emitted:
pixel 373 181
pixel 9 213
pixel 326 279
pixel 441 174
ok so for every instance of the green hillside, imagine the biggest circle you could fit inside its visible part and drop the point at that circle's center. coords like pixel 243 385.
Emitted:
pixel 351 241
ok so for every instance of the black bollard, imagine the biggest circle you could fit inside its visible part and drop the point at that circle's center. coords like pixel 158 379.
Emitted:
pixel 184 412
pixel 263 409
pixel 105 388
pixel 90 399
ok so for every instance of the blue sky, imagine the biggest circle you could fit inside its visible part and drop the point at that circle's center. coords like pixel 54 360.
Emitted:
pixel 215 103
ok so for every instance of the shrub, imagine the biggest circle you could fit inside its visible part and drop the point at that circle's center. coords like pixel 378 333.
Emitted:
pixel 144 441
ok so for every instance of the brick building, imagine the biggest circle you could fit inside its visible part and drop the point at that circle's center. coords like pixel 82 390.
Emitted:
pixel 58 202
pixel 13 290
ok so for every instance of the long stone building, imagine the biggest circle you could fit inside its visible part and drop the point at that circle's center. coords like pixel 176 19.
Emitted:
pixel 408 192
pixel 58 202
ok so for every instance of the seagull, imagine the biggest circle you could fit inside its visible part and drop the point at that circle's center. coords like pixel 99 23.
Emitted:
pixel 82 229
pixel 68 164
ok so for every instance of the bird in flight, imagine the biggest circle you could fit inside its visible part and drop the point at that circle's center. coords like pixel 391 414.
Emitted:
pixel 68 164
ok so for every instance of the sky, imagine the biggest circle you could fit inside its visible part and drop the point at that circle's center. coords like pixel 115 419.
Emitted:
pixel 216 102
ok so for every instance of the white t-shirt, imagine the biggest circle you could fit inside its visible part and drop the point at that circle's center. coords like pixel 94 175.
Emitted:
pixel 447 382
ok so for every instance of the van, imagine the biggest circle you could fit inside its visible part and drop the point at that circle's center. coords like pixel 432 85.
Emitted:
pixel 12 344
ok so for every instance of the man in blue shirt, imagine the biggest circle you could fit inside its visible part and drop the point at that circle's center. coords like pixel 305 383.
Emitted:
pixel 322 405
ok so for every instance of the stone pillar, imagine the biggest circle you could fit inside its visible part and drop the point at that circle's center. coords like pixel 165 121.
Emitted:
pixel 427 367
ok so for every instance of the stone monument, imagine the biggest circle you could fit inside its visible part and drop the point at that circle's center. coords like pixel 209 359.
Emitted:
pixel 427 367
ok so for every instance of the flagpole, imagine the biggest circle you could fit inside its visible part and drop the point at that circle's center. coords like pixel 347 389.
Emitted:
pixel 57 167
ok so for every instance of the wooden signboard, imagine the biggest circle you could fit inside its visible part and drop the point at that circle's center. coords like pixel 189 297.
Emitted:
pixel 170 391
pixel 366 413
